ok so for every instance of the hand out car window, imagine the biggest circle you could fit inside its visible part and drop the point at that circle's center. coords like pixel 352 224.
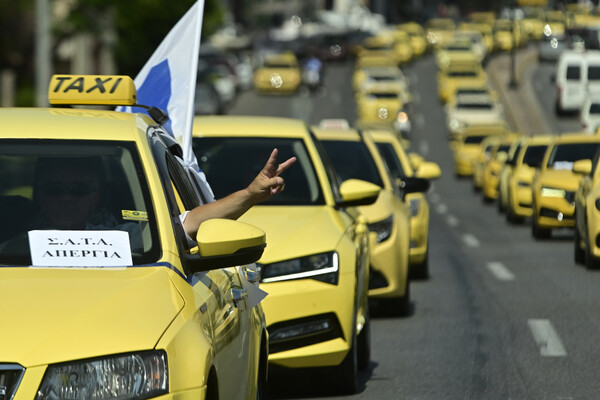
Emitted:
pixel 73 185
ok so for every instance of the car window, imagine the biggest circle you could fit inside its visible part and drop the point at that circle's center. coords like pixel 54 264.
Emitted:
pixel 563 156
pixel 73 185
pixel 573 73
pixel 391 158
pixel 231 163
pixel 474 139
pixel 593 73
pixel 352 160
pixel 534 154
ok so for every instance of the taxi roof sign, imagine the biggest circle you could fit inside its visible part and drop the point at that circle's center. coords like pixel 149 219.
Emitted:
pixel 118 90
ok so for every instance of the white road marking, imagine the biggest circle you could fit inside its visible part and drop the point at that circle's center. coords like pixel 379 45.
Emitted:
pixel 424 148
pixel 546 338
pixel 442 208
pixel 420 121
pixel 470 240
pixel 452 220
pixel 500 271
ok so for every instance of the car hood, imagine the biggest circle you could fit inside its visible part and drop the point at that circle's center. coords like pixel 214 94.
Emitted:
pixel 296 231
pixel 52 315
pixel 560 178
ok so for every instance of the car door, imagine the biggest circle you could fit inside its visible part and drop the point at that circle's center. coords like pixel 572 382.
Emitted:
pixel 220 294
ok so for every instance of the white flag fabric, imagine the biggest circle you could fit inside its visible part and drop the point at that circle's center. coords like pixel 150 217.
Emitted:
pixel 168 81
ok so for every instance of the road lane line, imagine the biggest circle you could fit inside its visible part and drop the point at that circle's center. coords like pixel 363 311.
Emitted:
pixel 500 271
pixel 546 338
pixel 442 208
pixel 424 148
pixel 470 240
pixel 452 220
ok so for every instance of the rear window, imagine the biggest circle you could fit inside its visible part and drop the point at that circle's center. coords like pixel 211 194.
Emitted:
pixel 573 73
pixel 593 73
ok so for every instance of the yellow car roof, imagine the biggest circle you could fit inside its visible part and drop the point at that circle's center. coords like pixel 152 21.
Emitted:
pixel 67 123
pixel 230 125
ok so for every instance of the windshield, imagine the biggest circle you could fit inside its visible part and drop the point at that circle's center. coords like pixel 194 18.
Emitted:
pixel 564 155
pixel 534 155
pixel 388 153
pixel 474 139
pixel 73 186
pixel 231 163
pixel 352 160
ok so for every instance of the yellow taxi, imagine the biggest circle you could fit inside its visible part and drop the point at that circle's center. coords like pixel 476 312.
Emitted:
pixel 93 253
pixel 467 143
pixel 316 265
pixel 401 165
pixel 505 38
pixel 506 171
pixel 380 46
pixel 484 156
pixel 391 77
pixel 519 193
pixel 533 23
pixel 438 31
pixel 455 50
pixel 416 33
pixel 491 172
pixel 279 73
pixel 554 185
pixel 486 30
pixel 456 74
pixel 587 212
pixel 383 103
pixel 355 156
pixel 554 23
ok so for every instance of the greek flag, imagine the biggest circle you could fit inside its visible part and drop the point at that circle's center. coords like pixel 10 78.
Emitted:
pixel 168 81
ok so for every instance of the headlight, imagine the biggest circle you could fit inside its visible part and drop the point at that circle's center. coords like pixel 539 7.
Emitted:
pixel 415 207
pixel 383 229
pixel 130 376
pixel 552 192
pixel 323 267
pixel 454 124
pixel 547 30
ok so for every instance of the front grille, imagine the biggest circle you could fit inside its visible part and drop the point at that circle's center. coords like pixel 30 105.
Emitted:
pixel 10 377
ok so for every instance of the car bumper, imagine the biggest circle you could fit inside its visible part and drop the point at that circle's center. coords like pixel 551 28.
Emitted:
pixel 554 213
pixel 309 322
pixel 389 267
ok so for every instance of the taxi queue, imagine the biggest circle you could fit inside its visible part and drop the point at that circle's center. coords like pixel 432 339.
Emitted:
pixel 162 318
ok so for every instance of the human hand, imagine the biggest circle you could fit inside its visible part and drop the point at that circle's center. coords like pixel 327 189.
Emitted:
pixel 268 182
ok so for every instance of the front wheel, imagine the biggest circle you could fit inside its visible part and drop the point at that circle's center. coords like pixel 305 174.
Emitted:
pixel 345 375
pixel 579 253
pixel 364 344
pixel 538 232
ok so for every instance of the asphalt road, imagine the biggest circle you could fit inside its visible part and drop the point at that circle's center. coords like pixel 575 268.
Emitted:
pixel 503 316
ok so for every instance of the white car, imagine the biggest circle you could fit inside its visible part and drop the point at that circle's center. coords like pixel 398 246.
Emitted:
pixel 589 115
pixel 473 109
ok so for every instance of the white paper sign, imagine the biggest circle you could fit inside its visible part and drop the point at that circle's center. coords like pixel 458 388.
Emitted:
pixel 80 248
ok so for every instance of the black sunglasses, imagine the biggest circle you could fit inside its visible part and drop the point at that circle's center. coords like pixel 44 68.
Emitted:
pixel 77 189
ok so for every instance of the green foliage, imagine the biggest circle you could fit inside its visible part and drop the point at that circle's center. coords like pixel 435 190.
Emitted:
pixel 140 25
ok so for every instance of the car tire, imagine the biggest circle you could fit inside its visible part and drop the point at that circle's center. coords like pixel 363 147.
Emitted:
pixel 345 375
pixel 538 232
pixel 579 253
pixel 399 306
pixel 364 343
pixel 591 262
pixel 511 217
pixel 421 270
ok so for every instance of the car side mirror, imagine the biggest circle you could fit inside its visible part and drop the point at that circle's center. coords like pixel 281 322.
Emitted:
pixel 356 192
pixel 583 167
pixel 225 243
pixel 428 170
